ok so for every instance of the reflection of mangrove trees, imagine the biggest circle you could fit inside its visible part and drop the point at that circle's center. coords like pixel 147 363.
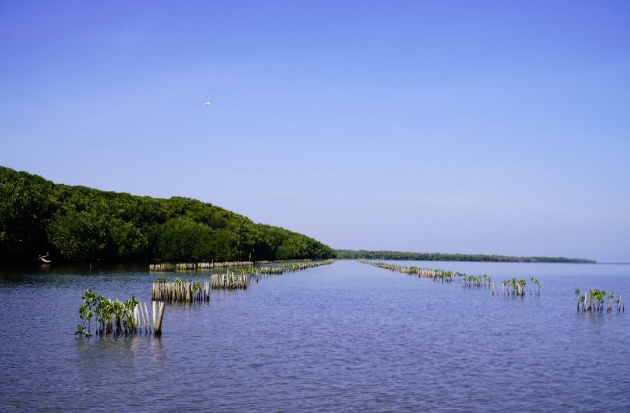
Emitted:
pixel 437 256
pixel 80 224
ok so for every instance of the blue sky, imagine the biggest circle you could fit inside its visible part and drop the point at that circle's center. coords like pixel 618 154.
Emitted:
pixel 436 126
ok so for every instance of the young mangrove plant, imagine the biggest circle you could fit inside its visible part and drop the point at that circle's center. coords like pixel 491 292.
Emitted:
pixel 537 284
pixel 598 296
pixel 610 296
pixel 579 298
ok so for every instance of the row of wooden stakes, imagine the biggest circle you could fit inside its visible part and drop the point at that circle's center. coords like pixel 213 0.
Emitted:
pixel 180 291
pixel 510 287
pixel 434 274
pixel 143 321
pixel 171 266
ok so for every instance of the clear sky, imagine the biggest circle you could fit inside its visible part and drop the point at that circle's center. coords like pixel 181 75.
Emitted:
pixel 436 126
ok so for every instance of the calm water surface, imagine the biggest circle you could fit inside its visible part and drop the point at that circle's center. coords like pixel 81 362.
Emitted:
pixel 343 337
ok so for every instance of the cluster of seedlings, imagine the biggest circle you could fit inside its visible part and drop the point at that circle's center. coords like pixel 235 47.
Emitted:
pixel 593 301
pixel 515 286
pixel 479 281
pixel 117 318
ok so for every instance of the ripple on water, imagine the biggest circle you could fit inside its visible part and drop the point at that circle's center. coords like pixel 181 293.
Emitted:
pixel 344 337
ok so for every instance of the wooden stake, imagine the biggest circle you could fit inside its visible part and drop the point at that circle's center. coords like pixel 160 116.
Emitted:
pixel 158 326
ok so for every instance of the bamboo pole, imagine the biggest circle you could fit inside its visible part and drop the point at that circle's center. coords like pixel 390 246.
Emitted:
pixel 146 313
pixel 157 330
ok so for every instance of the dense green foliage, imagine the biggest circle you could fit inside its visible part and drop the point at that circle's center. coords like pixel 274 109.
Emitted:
pixel 436 256
pixel 76 223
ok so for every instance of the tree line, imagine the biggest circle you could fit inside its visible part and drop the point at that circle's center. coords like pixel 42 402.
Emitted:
pixel 80 224
pixel 437 256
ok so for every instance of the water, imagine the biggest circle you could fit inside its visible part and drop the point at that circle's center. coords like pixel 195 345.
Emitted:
pixel 343 337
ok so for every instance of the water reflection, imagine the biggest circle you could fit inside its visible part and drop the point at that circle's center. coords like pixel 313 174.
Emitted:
pixel 130 347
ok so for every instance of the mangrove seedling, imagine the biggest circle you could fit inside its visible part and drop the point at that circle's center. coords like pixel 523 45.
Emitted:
pixel 577 294
pixel 610 296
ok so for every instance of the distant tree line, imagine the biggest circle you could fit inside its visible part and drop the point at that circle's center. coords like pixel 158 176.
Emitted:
pixel 437 256
pixel 80 224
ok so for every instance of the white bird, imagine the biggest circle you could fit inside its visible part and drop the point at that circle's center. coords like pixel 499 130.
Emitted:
pixel 207 103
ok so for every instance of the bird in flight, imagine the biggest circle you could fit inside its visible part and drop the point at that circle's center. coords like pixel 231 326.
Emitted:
pixel 207 103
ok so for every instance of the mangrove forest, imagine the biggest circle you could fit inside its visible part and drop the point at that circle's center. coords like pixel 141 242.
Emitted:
pixel 44 221
pixel 437 256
